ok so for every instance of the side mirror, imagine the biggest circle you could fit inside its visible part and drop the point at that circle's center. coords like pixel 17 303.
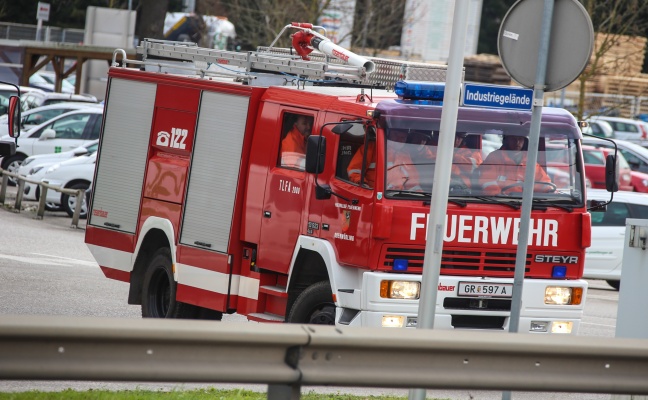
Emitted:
pixel 611 174
pixel 315 154
pixel 341 128
pixel 48 133
pixel 79 151
pixel 14 116
pixel 597 205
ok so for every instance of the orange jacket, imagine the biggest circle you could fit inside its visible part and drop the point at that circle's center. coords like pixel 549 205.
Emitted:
pixel 500 170
pixel 464 162
pixel 401 172
pixel 293 150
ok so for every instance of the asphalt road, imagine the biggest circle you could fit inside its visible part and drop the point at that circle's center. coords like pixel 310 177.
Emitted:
pixel 46 269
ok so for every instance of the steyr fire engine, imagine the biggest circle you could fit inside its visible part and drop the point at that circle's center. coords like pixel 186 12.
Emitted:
pixel 193 207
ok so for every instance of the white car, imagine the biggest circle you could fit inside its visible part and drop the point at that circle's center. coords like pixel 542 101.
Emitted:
pixel 76 173
pixel 632 130
pixel 604 257
pixel 37 116
pixel 38 98
pixel 34 167
pixel 65 132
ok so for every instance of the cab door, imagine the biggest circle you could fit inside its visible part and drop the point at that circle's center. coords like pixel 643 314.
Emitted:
pixel 285 193
pixel 346 218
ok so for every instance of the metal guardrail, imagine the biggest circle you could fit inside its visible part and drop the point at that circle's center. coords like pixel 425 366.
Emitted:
pixel 287 356
pixel 44 187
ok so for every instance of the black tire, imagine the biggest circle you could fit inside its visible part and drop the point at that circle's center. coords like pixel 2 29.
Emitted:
pixel 159 290
pixel 314 306
pixel 615 284
pixel 69 202
pixel 48 206
pixel 12 164
pixel 53 207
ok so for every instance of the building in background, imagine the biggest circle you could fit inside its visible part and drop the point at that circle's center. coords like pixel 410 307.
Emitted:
pixel 337 18
pixel 427 29
pixel 105 27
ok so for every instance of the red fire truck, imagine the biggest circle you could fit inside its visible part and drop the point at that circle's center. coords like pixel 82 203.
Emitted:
pixel 193 207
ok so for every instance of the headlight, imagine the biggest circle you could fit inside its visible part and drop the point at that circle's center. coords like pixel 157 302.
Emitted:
pixel 53 168
pixel 644 182
pixel 35 169
pixel 562 296
pixel 28 161
pixel 400 290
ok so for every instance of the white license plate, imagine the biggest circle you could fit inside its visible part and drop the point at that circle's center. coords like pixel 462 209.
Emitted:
pixel 475 289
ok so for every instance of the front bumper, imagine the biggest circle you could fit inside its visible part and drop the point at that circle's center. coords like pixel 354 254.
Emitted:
pixel 453 311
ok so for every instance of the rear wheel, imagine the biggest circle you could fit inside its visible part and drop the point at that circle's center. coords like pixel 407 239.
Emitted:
pixel 68 202
pixel 314 306
pixel 159 291
pixel 614 284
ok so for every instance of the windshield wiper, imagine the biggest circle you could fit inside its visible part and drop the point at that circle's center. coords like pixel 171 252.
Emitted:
pixel 550 203
pixel 408 193
pixel 493 200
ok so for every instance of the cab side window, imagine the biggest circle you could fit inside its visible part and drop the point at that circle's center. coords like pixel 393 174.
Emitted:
pixel 356 162
pixel 295 129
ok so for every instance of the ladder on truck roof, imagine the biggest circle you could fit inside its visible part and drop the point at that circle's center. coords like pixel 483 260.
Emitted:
pixel 269 65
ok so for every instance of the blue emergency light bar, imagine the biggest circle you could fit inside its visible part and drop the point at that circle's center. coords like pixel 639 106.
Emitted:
pixel 420 90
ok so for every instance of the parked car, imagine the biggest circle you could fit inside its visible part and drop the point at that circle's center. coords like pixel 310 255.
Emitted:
pixel 7 91
pixel 632 130
pixel 46 81
pixel 76 173
pixel 635 155
pixel 599 127
pixel 603 259
pixel 38 115
pixel 37 98
pixel 65 132
pixel 34 168
pixel 594 159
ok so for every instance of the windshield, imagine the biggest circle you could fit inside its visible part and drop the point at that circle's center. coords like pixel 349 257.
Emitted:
pixel 489 161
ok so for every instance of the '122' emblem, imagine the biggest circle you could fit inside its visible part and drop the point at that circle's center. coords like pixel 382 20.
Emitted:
pixel 176 140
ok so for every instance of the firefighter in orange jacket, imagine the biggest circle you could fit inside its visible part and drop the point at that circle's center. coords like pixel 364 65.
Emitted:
pixel 293 146
pixel 503 170
pixel 464 159
pixel 401 172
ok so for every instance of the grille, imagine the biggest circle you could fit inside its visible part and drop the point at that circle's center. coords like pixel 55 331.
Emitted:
pixel 459 262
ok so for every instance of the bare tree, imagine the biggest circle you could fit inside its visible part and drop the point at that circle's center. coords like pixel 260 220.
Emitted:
pixel 150 19
pixel 617 23
pixel 378 25
pixel 258 22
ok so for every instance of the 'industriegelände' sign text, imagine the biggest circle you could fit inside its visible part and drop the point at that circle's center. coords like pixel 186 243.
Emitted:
pixel 509 97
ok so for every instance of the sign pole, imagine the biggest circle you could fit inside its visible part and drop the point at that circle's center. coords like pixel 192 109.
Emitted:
pixel 529 173
pixel 442 173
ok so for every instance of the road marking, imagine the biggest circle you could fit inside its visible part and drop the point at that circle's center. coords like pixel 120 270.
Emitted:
pixel 50 260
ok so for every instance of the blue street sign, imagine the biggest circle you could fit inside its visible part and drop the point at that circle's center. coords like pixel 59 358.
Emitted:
pixel 493 96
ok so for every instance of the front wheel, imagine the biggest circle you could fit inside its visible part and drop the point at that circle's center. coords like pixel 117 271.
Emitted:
pixel 314 306
pixel 159 291
pixel 12 164
pixel 69 202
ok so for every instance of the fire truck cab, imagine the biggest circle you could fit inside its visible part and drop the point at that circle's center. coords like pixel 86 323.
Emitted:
pixel 198 206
